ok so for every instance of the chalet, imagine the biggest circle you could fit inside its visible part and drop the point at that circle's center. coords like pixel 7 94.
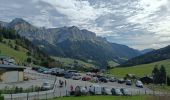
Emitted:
pixel 11 73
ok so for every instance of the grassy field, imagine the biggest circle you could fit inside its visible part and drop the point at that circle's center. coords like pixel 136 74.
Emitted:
pixel 112 63
pixel 139 70
pixel 109 98
pixel 19 56
pixel 69 61
pixel 162 88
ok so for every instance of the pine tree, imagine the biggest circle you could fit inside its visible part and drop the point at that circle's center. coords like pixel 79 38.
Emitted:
pixel 155 74
pixel 1 37
pixel 162 74
pixel 168 81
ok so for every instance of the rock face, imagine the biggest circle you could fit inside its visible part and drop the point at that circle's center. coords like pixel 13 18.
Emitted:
pixel 74 43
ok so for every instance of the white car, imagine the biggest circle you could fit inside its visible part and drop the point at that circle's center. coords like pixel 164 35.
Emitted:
pixel 46 86
pixel 106 91
pixel 76 76
pixel 80 90
pixel 95 89
pixel 139 84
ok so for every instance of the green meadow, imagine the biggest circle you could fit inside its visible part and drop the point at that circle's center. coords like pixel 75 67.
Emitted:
pixel 139 70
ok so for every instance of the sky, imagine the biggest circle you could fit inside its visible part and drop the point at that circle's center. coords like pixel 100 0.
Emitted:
pixel 139 24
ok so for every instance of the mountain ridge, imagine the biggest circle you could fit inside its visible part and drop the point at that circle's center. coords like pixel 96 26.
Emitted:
pixel 150 57
pixel 74 43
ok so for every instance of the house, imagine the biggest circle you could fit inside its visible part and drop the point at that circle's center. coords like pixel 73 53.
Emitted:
pixel 146 79
pixel 11 73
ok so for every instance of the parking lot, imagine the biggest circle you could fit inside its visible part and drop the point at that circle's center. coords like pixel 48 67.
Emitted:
pixel 37 79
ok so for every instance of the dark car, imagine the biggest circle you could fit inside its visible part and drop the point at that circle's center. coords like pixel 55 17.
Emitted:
pixel 68 75
pixel 35 68
pixel 58 72
pixel 121 81
pixel 103 79
pixel 128 82
pixel 112 79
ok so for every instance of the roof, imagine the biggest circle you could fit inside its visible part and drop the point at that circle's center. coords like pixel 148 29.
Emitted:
pixel 4 66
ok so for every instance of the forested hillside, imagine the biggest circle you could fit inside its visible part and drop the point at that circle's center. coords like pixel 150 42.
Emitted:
pixel 22 50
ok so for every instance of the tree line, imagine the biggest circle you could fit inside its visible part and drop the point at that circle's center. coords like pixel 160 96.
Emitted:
pixel 160 75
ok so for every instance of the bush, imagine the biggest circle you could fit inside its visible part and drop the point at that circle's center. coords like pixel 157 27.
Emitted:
pixel 1 97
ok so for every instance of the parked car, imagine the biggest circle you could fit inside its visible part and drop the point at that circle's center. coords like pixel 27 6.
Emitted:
pixel 139 84
pixel 71 71
pixel 68 75
pixel 128 82
pixel 46 86
pixel 112 79
pixel 90 74
pixel 42 69
pixel 106 91
pixel 95 89
pixel 47 71
pixel 35 68
pixel 121 81
pixel 86 78
pixel 95 79
pixel 58 72
pixel 125 91
pixel 76 77
pixel 80 90
pixel 103 79
pixel 116 91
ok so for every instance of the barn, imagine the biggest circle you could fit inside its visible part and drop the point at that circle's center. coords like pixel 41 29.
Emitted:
pixel 11 73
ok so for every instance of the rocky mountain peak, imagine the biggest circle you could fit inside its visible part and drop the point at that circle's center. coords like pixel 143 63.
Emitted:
pixel 19 22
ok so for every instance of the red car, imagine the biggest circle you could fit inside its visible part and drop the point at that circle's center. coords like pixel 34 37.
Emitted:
pixel 86 78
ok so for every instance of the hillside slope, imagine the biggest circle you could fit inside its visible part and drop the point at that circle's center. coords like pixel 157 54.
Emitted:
pixel 21 49
pixel 153 56
pixel 140 70
pixel 19 56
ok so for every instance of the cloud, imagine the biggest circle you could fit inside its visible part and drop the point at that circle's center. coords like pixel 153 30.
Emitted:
pixel 137 23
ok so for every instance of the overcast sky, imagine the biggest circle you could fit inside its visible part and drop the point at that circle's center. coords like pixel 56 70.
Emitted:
pixel 137 23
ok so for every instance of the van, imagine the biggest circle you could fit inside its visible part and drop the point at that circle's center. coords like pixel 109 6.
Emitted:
pixel 95 89
pixel 139 84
